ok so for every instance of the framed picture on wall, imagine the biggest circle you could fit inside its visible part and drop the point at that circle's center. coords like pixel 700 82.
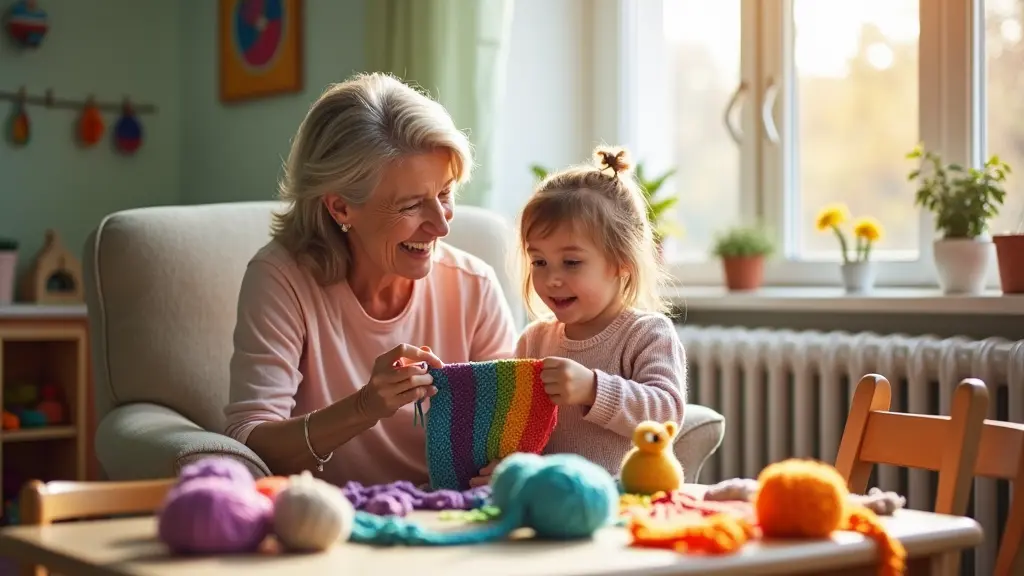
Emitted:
pixel 260 48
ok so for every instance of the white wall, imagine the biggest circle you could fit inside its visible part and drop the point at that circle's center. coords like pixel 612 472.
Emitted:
pixel 547 109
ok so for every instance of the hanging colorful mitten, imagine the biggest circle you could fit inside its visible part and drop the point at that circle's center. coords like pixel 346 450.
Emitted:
pixel 128 130
pixel 90 124
pixel 18 127
pixel 26 23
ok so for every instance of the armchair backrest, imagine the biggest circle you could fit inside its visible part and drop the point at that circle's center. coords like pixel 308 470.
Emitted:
pixel 162 290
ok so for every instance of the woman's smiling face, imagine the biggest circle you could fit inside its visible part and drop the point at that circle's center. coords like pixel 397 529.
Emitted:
pixel 396 231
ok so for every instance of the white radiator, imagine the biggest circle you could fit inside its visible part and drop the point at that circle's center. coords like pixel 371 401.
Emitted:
pixel 786 394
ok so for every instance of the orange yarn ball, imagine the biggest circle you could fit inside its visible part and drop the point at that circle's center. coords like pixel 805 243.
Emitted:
pixel 270 486
pixel 800 498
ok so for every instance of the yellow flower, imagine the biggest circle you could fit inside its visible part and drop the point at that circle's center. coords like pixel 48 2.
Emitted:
pixel 831 216
pixel 868 228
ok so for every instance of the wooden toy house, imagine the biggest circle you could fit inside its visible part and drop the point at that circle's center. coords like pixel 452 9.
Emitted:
pixel 56 275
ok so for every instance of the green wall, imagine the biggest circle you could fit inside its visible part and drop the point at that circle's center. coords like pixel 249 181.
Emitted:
pixel 196 150
pixel 110 49
pixel 234 152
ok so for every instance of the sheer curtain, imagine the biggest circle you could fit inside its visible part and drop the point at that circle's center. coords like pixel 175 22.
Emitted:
pixel 456 50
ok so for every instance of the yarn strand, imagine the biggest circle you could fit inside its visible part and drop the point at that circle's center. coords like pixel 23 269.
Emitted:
pixel 891 552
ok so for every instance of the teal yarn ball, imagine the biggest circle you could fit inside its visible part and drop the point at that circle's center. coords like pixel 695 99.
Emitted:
pixel 569 497
pixel 509 472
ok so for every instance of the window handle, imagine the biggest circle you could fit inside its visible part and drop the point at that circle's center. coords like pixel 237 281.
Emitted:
pixel 768 111
pixel 734 101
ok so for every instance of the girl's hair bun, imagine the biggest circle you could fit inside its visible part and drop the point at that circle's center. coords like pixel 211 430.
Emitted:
pixel 616 159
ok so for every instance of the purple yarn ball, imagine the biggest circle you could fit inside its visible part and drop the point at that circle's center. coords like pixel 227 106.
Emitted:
pixel 218 467
pixel 212 516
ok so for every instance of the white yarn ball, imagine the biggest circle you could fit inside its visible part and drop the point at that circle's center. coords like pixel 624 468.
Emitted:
pixel 312 515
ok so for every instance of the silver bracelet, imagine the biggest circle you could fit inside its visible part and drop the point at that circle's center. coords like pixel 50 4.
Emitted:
pixel 319 461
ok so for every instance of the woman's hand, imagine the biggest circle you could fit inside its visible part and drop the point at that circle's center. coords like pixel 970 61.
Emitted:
pixel 568 382
pixel 399 377
pixel 485 475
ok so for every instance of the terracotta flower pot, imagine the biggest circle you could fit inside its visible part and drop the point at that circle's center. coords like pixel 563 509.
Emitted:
pixel 743 272
pixel 1010 256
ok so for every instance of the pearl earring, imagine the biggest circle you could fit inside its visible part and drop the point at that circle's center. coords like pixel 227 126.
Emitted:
pixel 345 227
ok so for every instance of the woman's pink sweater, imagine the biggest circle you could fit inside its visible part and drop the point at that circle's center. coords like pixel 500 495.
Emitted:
pixel 300 347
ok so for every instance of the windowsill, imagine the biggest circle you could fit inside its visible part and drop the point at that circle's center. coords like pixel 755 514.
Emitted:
pixel 833 300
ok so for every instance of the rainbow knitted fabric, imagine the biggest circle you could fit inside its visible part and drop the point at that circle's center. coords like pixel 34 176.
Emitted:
pixel 484 411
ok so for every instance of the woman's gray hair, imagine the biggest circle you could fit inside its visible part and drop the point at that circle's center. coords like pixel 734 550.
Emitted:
pixel 350 134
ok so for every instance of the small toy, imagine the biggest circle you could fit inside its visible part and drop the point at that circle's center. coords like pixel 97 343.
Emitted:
pixel 651 466
pixel 20 394
pixel 311 515
pixel 11 421
pixel 56 275
pixel 127 130
pixel 484 411
pixel 32 419
pixel 90 124
pixel 26 23
pixel 19 127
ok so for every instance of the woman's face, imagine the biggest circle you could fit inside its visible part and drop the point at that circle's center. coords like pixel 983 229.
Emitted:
pixel 396 231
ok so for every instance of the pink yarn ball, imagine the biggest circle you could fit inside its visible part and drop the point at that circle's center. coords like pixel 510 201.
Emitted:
pixel 213 516
pixel 219 467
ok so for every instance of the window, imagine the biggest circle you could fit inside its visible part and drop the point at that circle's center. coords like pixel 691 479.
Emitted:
pixel 770 109
pixel 1002 106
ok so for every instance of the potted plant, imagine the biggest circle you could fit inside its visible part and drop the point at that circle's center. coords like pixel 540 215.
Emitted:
pixel 859 271
pixel 1010 258
pixel 743 250
pixel 8 266
pixel 657 207
pixel 963 200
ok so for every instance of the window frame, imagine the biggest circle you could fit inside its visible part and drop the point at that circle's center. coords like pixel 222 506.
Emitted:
pixel 950 120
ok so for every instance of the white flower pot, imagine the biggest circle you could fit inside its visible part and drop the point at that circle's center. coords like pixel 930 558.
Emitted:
pixel 858 277
pixel 962 264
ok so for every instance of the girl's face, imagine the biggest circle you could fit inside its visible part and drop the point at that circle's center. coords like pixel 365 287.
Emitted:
pixel 576 281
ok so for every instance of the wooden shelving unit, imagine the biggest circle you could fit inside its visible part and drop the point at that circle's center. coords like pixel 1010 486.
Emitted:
pixel 45 346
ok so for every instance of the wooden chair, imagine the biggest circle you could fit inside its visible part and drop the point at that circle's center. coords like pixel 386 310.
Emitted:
pixel 945 444
pixel 1001 456
pixel 43 504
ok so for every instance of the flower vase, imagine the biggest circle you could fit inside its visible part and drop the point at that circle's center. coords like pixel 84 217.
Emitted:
pixel 858 277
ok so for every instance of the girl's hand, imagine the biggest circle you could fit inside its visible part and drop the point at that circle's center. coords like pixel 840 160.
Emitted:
pixel 568 383
pixel 485 475
pixel 399 377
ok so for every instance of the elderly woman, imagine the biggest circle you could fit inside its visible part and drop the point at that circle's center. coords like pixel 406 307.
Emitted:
pixel 341 313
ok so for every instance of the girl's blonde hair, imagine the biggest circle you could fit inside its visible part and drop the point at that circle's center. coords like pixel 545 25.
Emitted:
pixel 602 200
pixel 349 136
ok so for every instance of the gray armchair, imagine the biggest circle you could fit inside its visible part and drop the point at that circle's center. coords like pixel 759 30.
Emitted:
pixel 161 289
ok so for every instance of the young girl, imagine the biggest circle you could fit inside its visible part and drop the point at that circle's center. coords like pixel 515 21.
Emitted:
pixel 612 359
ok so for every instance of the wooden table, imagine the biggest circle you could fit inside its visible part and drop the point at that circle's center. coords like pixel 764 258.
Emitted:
pixel 128 547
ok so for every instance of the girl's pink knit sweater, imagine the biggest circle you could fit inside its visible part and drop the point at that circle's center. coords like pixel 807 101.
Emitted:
pixel 641 375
